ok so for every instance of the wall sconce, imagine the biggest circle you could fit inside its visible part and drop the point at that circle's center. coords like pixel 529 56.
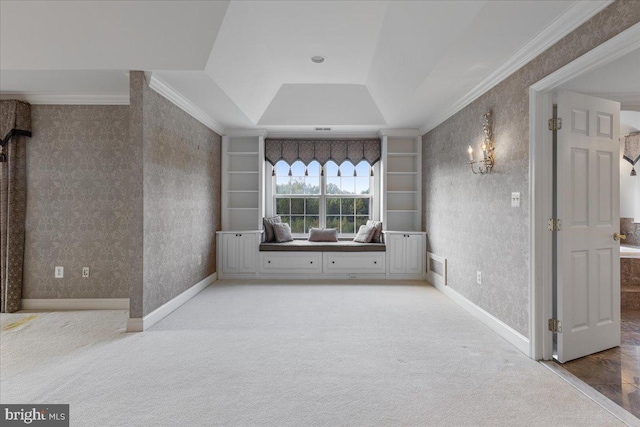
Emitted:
pixel 486 163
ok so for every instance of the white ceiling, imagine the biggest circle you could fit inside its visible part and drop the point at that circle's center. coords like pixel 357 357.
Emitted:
pixel 246 64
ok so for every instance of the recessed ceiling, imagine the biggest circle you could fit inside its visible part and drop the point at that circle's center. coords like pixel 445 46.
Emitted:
pixel 246 64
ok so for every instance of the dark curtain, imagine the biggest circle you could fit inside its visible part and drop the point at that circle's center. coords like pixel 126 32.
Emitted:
pixel 15 127
pixel 322 150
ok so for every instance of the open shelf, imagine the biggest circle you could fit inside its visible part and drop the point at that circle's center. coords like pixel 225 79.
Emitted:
pixel 403 182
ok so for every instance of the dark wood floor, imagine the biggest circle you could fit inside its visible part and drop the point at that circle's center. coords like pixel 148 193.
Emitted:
pixel 615 373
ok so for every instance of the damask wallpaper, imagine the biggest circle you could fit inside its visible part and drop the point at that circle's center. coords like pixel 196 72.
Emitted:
pixel 181 168
pixel 469 218
pixel 631 230
pixel 79 187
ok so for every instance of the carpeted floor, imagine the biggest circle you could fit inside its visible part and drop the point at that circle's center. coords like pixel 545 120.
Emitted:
pixel 289 355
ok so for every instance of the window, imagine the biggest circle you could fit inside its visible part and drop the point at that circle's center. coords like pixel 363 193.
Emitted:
pixel 339 198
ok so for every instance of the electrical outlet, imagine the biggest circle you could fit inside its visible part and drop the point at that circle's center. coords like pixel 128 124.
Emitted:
pixel 199 259
pixel 59 272
pixel 85 272
pixel 479 277
pixel 515 200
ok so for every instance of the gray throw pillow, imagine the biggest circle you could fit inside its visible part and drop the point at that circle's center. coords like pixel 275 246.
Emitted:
pixel 378 233
pixel 323 235
pixel 282 232
pixel 268 227
pixel 365 234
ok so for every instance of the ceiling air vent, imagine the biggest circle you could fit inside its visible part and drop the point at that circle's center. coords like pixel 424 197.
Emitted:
pixel 323 129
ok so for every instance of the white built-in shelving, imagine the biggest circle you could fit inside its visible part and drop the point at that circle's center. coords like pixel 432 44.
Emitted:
pixel 402 180
pixel 242 180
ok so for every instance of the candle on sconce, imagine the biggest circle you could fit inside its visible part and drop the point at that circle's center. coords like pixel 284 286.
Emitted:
pixel 484 151
pixel 470 150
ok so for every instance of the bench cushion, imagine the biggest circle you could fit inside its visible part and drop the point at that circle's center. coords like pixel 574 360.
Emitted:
pixel 307 246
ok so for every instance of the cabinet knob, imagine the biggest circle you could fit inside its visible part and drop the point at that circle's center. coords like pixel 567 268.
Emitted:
pixel 268 262
pixel 375 262
pixel 333 262
pixel 310 262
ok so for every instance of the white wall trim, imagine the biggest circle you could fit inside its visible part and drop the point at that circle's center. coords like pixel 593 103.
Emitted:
pixel 246 132
pixel 564 24
pixel 52 98
pixel 164 89
pixel 498 326
pixel 136 324
pixel 431 275
pixel 55 304
pixel 541 185
pixel 614 48
pixel 399 133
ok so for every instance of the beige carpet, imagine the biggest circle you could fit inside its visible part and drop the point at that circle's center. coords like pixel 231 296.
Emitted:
pixel 289 355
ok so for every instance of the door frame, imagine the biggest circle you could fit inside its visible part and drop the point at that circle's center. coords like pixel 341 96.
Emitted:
pixel 541 182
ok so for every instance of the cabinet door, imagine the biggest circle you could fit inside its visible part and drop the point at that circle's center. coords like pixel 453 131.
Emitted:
pixel 413 256
pixel 246 252
pixel 397 253
pixel 230 253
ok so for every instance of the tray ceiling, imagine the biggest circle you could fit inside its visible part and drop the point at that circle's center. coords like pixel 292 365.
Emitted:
pixel 389 64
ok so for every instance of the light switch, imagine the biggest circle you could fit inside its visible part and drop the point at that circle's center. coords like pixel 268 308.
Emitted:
pixel 515 200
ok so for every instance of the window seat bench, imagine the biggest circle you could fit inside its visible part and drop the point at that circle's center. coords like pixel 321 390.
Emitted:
pixel 307 246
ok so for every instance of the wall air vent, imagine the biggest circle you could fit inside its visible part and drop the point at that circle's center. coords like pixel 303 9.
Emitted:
pixel 323 129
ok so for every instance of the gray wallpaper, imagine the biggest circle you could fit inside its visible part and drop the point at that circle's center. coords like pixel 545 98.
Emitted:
pixel 631 230
pixel 78 203
pixel 469 218
pixel 181 167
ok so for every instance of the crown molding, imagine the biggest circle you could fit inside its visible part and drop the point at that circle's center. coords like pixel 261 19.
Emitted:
pixel 246 132
pixel 399 133
pixel 564 24
pixel 54 98
pixel 321 135
pixel 175 97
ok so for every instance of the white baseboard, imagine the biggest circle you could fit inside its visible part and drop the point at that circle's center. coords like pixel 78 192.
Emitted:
pixel 136 324
pixel 498 326
pixel 76 304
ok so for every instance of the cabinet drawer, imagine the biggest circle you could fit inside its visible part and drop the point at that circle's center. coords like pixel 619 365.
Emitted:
pixel 286 262
pixel 365 262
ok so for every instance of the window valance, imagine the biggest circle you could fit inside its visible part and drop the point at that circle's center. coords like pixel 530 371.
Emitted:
pixel 322 150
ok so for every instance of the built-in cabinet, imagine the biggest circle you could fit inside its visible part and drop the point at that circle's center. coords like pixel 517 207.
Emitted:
pixel 398 205
pixel 406 253
pixel 238 253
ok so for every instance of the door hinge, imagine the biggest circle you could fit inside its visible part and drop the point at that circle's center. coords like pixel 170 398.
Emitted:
pixel 555 124
pixel 555 224
pixel 555 325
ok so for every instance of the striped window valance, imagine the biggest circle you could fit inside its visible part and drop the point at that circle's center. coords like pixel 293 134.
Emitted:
pixel 322 150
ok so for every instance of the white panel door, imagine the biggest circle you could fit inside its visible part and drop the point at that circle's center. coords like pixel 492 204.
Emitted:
pixel 414 253
pixel 230 253
pixel 588 204
pixel 397 253
pixel 247 247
